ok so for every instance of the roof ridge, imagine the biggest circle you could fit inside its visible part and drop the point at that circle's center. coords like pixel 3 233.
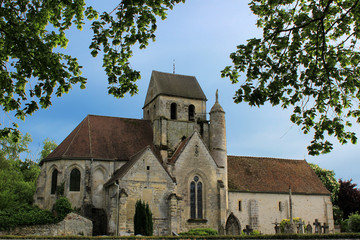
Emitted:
pixel 174 74
pixel 274 158
pixel 94 115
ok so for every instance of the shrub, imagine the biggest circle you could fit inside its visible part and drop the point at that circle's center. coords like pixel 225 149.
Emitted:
pixel 25 215
pixel 354 222
pixel 62 207
pixel 285 222
pixel 143 224
pixel 344 225
pixel 200 232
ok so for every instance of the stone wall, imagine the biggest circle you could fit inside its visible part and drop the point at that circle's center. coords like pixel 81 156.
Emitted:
pixel 261 210
pixel 72 225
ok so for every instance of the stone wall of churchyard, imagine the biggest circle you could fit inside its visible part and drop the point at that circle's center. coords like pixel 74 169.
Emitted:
pixel 72 225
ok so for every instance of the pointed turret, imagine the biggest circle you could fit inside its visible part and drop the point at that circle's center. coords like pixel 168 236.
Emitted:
pixel 218 133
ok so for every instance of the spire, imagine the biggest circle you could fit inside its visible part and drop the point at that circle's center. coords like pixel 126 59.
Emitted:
pixel 217 107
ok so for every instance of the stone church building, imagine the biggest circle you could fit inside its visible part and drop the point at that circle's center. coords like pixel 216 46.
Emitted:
pixel 176 160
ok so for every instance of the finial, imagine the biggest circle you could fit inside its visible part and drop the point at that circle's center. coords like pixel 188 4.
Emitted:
pixel 217 95
pixel 173 66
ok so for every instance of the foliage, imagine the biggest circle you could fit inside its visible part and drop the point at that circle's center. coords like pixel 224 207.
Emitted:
pixel 327 177
pixel 48 146
pixel 354 222
pixel 344 225
pixel 62 207
pixel 308 59
pixel 200 232
pixel 60 189
pixel 24 215
pixel 17 177
pixel 143 223
pixel 18 184
pixel 286 222
pixel 348 198
pixel 33 69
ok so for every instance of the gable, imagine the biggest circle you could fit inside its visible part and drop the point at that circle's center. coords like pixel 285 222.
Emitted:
pixel 255 174
pixel 105 138
pixel 192 151
pixel 173 85
pixel 142 167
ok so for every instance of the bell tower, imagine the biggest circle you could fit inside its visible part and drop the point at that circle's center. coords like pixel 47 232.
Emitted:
pixel 176 106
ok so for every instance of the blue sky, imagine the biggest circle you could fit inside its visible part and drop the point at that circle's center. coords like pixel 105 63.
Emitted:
pixel 199 36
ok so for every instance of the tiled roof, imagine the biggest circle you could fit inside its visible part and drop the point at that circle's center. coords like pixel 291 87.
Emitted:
pixel 105 138
pixel 256 174
pixel 173 85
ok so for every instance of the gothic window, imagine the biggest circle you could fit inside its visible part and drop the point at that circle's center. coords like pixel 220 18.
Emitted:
pixel 75 180
pixel 54 177
pixel 191 113
pixel 240 207
pixel 196 198
pixel 173 109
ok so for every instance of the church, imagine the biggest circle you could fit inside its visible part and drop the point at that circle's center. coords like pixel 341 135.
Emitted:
pixel 175 159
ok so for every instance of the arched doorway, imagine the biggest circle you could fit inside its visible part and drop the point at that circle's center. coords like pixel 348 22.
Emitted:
pixel 232 225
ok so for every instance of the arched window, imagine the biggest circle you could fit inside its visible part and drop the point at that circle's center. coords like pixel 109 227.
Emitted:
pixel 191 113
pixel 173 113
pixel 75 180
pixel 54 177
pixel 196 199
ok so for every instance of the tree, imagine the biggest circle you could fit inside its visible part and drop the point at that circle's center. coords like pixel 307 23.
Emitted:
pixel 327 177
pixel 143 224
pixel 348 198
pixel 17 177
pixel 307 58
pixel 32 70
pixel 48 146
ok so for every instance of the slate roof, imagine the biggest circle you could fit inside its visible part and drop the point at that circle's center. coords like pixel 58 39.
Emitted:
pixel 105 138
pixel 173 85
pixel 272 175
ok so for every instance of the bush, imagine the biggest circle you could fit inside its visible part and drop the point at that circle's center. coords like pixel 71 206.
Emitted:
pixel 285 222
pixel 62 207
pixel 354 222
pixel 200 232
pixel 344 225
pixel 25 215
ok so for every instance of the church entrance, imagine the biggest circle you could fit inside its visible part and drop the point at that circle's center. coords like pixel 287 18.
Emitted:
pixel 232 225
pixel 99 219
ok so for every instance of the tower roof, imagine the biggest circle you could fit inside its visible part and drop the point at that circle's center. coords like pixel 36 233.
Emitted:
pixel 104 138
pixel 217 107
pixel 173 85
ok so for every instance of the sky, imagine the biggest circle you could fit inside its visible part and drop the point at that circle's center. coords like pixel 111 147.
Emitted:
pixel 199 37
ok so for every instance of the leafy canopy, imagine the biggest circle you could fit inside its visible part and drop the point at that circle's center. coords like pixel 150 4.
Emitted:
pixel 17 177
pixel 308 59
pixel 327 177
pixel 33 70
pixel 348 198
